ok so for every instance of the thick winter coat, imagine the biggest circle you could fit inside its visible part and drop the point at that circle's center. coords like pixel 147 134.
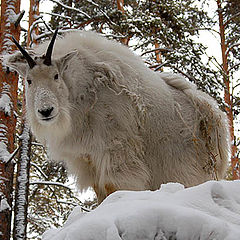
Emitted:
pixel 117 124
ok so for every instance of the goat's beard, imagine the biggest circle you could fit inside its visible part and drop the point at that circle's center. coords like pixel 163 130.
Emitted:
pixel 55 130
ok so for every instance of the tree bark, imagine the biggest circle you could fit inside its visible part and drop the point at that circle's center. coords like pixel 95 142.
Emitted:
pixel 8 90
pixel 22 186
pixel 120 4
pixel 33 15
pixel 227 95
pixel 23 168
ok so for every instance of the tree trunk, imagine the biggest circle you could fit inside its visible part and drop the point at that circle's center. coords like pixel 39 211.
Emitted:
pixel 8 106
pixel 22 186
pixel 23 169
pixel 33 15
pixel 120 4
pixel 227 95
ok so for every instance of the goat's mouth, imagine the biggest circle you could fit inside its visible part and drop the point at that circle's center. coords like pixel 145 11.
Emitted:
pixel 49 119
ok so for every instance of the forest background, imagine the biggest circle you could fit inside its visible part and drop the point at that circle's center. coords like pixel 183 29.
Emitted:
pixel 36 194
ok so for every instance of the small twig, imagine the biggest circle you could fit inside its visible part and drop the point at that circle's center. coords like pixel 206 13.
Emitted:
pixel 51 184
pixel 185 74
pixel 161 65
pixel 71 8
pixel 230 19
pixel 19 19
pixel 13 155
pixel 37 144
pixel 158 49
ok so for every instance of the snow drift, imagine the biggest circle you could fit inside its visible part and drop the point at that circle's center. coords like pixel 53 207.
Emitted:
pixel 205 212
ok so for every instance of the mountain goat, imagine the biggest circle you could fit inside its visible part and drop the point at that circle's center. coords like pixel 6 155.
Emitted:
pixel 114 122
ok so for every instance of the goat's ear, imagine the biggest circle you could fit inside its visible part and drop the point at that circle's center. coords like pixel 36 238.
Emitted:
pixel 15 61
pixel 64 62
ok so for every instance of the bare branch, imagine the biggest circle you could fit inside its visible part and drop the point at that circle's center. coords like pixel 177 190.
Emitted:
pixel 57 15
pixel 231 47
pixel 40 170
pixel 230 19
pixel 161 65
pixel 158 49
pixel 234 66
pixel 19 19
pixel 51 184
pixel 13 154
pixel 71 8
pixel 185 74
pixel 37 144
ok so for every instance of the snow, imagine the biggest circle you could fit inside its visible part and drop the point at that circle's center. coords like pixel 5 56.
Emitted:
pixel 5 100
pixel 4 205
pixel 208 211
pixel 4 153
pixel 22 183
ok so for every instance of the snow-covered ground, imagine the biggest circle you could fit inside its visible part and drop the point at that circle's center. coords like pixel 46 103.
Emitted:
pixel 210 211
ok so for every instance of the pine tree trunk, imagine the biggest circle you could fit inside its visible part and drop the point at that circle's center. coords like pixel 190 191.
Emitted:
pixel 8 105
pixel 33 14
pixel 120 4
pixel 227 95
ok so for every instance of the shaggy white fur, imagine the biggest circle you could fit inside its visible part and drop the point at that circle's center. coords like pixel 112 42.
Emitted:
pixel 117 124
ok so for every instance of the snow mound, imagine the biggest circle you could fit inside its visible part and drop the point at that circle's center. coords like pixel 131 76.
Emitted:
pixel 210 211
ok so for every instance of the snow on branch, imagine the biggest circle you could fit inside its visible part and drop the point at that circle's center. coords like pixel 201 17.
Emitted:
pixel 22 180
pixel 5 100
pixel 49 33
pixel 57 15
pixel 12 155
pixel 4 153
pixel 71 8
pixel 57 184
pixel 4 205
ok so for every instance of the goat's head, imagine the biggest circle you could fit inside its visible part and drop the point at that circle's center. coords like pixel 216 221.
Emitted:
pixel 46 93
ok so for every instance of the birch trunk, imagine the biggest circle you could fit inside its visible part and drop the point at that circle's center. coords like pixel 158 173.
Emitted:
pixel 23 169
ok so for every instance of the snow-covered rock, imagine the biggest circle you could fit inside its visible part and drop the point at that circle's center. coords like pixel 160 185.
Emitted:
pixel 210 211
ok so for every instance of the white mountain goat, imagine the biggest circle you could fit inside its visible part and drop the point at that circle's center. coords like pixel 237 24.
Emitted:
pixel 114 122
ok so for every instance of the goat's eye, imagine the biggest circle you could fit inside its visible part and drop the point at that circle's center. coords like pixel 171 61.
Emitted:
pixel 56 77
pixel 29 82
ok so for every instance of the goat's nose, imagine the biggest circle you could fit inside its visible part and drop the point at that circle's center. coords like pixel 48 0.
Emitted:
pixel 46 112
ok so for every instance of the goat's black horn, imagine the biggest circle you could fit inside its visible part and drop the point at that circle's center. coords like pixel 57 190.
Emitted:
pixel 48 57
pixel 30 61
